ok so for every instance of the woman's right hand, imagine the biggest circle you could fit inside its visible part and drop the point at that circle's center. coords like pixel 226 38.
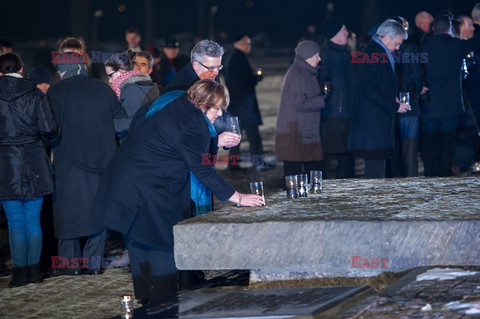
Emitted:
pixel 249 200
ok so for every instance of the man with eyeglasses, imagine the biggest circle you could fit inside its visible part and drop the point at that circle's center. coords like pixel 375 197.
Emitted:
pixel 205 63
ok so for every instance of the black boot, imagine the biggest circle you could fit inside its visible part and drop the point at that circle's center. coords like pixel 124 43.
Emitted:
pixel 19 278
pixel 34 274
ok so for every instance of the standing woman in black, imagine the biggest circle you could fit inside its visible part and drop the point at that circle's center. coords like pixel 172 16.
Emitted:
pixel 145 184
pixel 25 170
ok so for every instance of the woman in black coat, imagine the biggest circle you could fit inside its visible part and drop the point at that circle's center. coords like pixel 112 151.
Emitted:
pixel 145 184
pixel 26 172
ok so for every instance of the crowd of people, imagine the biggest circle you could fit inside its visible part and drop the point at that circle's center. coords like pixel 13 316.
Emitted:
pixel 128 155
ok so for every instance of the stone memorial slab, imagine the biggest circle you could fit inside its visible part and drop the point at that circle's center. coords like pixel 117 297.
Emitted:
pixel 354 228
pixel 259 303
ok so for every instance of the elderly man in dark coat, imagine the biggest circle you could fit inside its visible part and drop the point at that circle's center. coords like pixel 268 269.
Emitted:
pixel 337 69
pixel 241 82
pixel 373 131
pixel 440 115
pixel 85 109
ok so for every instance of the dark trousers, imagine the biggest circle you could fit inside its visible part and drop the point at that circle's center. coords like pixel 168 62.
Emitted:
pixel 255 141
pixel 153 272
pixel 338 166
pixel 294 168
pixel 405 163
pixel 375 168
pixel 438 136
pixel 93 250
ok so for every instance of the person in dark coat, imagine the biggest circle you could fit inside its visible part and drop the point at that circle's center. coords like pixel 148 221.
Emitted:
pixel 85 109
pixel 297 134
pixel 373 127
pixel 26 172
pixel 443 77
pixel 410 79
pixel 171 61
pixel 241 82
pixel 143 187
pixel 337 69
pixel 421 29
pixel 132 88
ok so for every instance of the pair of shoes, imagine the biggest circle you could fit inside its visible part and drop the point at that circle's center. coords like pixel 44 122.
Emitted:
pixel 19 277
pixel 34 274
pixel 94 272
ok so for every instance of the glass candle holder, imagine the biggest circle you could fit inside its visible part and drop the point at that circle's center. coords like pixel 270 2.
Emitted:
pixel 292 186
pixel 302 180
pixel 126 303
pixel 315 182
pixel 257 188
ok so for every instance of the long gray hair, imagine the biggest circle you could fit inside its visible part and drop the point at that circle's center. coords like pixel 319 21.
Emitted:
pixel 206 48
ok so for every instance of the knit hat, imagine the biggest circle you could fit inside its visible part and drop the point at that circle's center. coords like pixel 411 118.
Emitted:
pixel 40 74
pixel 331 27
pixel 307 49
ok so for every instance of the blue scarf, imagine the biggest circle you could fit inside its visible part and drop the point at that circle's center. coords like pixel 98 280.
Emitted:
pixel 201 195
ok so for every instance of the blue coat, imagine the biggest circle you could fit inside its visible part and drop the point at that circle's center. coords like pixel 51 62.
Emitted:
pixel 143 190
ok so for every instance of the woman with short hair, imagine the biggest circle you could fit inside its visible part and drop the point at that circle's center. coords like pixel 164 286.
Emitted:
pixel 133 89
pixel 145 187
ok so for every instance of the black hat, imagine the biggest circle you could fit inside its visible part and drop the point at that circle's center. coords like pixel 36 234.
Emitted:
pixel 331 27
pixel 40 74
pixel 239 37
pixel 171 43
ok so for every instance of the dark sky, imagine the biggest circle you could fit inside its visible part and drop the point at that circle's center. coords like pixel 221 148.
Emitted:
pixel 283 21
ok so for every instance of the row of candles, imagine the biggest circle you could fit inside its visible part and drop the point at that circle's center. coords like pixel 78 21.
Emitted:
pixel 299 186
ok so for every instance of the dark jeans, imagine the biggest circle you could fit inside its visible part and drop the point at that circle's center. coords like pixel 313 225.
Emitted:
pixel 338 166
pixel 406 150
pixel 294 168
pixel 438 136
pixel 375 169
pixel 153 272
pixel 255 141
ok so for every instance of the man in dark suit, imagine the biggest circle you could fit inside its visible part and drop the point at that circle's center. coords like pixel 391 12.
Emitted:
pixel 443 77
pixel 85 109
pixel 373 128
pixel 241 82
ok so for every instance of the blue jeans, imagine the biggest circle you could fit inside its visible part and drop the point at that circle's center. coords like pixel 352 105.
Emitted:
pixel 25 233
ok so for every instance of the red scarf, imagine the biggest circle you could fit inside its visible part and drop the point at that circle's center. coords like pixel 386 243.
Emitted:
pixel 117 83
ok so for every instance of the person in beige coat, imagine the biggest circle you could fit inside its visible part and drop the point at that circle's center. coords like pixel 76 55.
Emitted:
pixel 297 136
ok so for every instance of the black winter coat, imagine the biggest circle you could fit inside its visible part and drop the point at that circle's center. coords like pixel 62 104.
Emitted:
pixel 25 115
pixel 241 82
pixel 85 109
pixel 373 134
pixel 143 189
pixel 336 67
pixel 444 69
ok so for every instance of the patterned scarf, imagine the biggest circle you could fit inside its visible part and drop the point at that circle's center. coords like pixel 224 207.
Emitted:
pixel 117 83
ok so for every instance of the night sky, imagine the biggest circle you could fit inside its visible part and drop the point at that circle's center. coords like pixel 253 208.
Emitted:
pixel 283 21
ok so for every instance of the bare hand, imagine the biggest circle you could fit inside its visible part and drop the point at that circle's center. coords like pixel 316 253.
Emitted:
pixel 424 90
pixel 228 139
pixel 404 107
pixel 248 200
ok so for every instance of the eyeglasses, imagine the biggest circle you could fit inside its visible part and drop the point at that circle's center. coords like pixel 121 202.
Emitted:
pixel 111 74
pixel 211 68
